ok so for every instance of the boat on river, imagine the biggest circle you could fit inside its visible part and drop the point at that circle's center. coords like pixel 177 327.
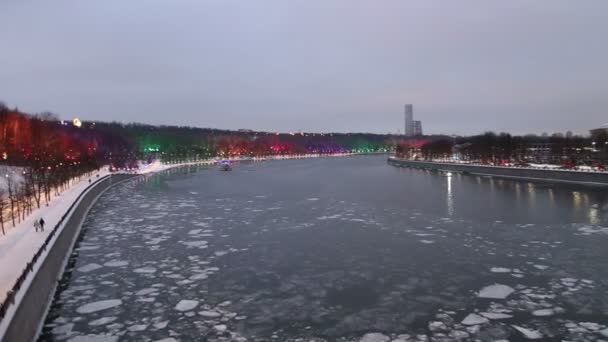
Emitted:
pixel 225 165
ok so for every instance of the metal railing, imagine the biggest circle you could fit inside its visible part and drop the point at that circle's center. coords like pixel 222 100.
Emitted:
pixel 29 267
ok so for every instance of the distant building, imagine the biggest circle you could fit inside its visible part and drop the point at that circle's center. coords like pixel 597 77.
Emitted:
pixel 409 120
pixel 417 128
pixel 245 130
pixel 599 131
pixel 412 127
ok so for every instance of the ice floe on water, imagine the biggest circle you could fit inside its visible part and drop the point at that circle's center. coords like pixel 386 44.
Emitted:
pixel 500 270
pixel 186 305
pixel 474 319
pixel 89 267
pixel 528 333
pixel 99 306
pixel 93 338
pixel 195 244
pixel 496 291
pixel 496 315
pixel 590 230
pixel 375 337
pixel 147 269
pixel 116 263
pixel 103 320
pixel 543 312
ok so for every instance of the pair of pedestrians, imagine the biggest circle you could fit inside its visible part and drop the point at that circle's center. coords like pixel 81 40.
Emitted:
pixel 39 224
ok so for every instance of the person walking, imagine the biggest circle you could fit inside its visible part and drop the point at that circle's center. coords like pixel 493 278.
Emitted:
pixel 41 224
pixel 36 225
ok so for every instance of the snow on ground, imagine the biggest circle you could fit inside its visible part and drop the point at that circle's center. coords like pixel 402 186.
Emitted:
pixel 20 244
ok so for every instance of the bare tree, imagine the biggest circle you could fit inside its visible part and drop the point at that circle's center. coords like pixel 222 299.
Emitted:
pixel 2 207
pixel 11 196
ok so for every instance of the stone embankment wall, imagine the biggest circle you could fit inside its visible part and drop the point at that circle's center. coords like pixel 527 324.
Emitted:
pixel 565 176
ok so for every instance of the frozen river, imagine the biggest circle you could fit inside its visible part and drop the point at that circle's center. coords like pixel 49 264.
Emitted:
pixel 337 249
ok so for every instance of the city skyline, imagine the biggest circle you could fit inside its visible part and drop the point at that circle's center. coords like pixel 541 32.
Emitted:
pixel 311 66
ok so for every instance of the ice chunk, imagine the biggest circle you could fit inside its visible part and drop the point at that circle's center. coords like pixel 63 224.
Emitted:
pixel 145 291
pixel 500 270
pixel 89 267
pixel 116 263
pixel 192 244
pixel 474 319
pixel 590 326
pixel 98 306
pixel 63 329
pixel 528 333
pixel 94 338
pixel 147 269
pixel 495 315
pixel 103 321
pixel 604 332
pixel 375 337
pixel 199 276
pixel 210 314
pixel 168 339
pixel 138 327
pixel 496 291
pixel 161 325
pixel 186 305
pixel 220 327
pixel 543 312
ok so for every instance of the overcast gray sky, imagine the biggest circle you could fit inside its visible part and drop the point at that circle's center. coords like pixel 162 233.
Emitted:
pixel 314 65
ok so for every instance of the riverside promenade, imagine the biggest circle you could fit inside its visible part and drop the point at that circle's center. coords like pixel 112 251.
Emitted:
pixel 533 174
pixel 26 305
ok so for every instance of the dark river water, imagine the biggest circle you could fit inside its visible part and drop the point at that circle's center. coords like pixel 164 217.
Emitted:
pixel 337 249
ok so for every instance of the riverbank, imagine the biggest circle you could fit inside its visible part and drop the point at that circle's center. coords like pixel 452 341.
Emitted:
pixel 546 175
pixel 25 306
pixel 22 241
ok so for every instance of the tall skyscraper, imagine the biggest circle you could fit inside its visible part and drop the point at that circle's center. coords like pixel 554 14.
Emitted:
pixel 417 127
pixel 409 120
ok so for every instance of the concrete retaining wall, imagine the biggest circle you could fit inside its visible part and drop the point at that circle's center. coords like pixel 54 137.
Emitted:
pixel 564 176
pixel 32 309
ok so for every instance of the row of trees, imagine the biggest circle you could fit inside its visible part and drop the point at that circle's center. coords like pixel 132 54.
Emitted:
pixel 494 148
pixel 40 155
pixel 172 143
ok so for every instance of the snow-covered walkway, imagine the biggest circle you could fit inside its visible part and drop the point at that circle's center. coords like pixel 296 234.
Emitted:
pixel 20 244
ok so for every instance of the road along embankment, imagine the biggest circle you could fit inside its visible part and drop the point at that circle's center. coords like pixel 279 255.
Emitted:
pixel 32 300
pixel 560 176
